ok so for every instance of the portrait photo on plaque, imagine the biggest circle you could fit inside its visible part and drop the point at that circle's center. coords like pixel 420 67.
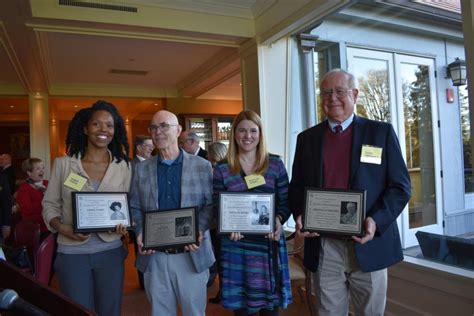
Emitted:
pixel 251 213
pixel 99 211
pixel 165 229
pixel 334 212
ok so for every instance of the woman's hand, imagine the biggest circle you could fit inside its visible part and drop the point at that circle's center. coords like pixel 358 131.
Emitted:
pixel 236 236
pixel 121 229
pixel 66 230
pixel 276 234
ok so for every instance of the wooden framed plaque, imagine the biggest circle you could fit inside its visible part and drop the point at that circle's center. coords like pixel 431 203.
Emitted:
pixel 334 212
pixel 99 211
pixel 165 229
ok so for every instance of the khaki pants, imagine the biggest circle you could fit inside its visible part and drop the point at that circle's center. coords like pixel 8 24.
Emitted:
pixel 339 281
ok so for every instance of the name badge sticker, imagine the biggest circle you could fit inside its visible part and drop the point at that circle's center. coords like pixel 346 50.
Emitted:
pixel 371 154
pixel 75 181
pixel 254 180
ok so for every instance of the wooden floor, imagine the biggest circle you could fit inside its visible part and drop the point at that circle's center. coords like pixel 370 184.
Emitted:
pixel 135 302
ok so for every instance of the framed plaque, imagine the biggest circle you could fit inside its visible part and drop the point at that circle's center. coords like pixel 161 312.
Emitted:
pixel 334 212
pixel 251 213
pixel 99 211
pixel 165 229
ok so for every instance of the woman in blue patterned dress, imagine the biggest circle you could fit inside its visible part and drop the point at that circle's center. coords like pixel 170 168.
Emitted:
pixel 255 276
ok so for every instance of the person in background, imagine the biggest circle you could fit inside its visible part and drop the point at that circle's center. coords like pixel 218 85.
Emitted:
pixel 267 287
pixel 348 152
pixel 90 266
pixel 189 141
pixel 216 152
pixel 5 207
pixel 173 179
pixel 143 147
pixel 9 170
pixel 31 192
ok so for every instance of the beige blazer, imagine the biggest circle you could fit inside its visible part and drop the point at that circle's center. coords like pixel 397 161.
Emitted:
pixel 57 199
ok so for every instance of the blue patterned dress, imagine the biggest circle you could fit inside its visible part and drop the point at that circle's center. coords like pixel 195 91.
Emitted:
pixel 255 271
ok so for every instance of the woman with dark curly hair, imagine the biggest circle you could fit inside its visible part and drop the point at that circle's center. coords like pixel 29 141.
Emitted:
pixel 90 266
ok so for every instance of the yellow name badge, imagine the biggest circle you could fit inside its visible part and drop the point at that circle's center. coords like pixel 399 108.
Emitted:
pixel 75 181
pixel 254 181
pixel 371 154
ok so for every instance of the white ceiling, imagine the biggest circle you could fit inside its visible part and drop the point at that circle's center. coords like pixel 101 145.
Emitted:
pixel 70 57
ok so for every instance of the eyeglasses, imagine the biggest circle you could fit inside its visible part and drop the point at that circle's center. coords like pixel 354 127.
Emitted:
pixel 164 127
pixel 340 93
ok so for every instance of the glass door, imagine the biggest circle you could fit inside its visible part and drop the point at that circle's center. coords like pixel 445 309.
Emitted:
pixel 399 89
pixel 417 100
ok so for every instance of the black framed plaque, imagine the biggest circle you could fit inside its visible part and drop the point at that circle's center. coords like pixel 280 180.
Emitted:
pixel 334 212
pixel 165 229
pixel 99 211
pixel 251 213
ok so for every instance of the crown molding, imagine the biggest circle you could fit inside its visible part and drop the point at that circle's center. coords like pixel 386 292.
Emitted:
pixel 6 43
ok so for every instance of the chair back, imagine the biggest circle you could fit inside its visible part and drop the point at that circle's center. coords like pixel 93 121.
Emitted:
pixel 299 275
pixel 43 260
pixel 27 234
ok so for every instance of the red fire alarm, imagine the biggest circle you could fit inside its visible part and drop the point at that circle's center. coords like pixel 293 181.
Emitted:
pixel 449 95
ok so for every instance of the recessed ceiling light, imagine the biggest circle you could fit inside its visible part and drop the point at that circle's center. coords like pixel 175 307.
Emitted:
pixel 155 104
pixel 12 106
pixel 75 106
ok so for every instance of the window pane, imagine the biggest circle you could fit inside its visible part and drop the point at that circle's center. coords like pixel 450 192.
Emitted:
pixel 374 89
pixel 419 143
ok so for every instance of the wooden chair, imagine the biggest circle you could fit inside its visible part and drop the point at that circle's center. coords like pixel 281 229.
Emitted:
pixel 300 276
pixel 44 260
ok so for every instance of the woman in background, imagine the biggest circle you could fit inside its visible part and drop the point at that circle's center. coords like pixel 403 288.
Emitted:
pixel 216 152
pixel 255 276
pixel 31 192
pixel 90 266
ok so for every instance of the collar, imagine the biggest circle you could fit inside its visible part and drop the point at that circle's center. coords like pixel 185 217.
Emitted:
pixel 178 160
pixel 140 158
pixel 199 148
pixel 345 124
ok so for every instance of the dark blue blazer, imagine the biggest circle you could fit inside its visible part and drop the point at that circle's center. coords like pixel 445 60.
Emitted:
pixel 388 188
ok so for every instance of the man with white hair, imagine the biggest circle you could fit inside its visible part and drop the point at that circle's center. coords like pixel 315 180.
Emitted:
pixel 189 141
pixel 173 179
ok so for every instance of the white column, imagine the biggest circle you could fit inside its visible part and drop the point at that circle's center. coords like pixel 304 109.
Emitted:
pixel 39 129
pixel 275 84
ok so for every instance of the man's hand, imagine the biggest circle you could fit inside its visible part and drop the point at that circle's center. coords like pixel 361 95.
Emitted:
pixel 370 227
pixel 299 226
pixel 194 247
pixel 6 230
pixel 140 246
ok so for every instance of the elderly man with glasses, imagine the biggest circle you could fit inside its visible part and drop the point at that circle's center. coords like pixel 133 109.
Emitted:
pixel 173 179
pixel 189 141
pixel 348 152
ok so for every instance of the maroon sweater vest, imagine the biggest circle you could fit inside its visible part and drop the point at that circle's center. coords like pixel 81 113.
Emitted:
pixel 337 158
